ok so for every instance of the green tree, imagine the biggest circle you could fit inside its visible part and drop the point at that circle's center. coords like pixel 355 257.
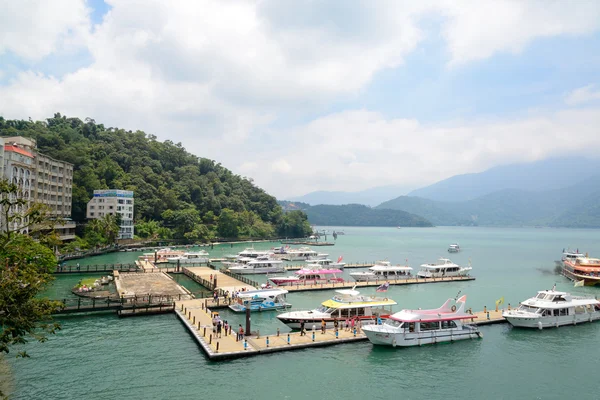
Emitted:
pixel 228 224
pixel 26 266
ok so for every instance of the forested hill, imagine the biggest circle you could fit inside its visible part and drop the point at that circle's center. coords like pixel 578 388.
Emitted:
pixel 355 215
pixel 171 186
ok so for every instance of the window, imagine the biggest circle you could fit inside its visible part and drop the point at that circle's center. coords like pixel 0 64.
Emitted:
pixel 110 207
pixel 91 214
pixel 91 207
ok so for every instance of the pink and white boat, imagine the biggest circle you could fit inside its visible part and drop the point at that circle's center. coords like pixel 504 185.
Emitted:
pixel 309 276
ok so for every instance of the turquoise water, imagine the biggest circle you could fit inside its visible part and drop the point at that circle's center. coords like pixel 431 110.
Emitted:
pixel 104 357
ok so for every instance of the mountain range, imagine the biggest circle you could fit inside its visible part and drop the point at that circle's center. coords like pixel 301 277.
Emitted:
pixel 369 197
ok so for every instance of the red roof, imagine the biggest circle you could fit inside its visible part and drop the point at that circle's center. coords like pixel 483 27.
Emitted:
pixel 18 150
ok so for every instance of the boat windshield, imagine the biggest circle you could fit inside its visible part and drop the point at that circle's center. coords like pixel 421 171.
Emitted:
pixel 530 309
pixel 393 323
pixel 326 310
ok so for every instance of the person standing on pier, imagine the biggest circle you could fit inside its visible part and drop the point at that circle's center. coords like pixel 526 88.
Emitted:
pixel 323 326
pixel 219 327
pixel 302 331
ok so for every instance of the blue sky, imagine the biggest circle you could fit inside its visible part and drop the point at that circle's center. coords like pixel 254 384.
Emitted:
pixel 320 95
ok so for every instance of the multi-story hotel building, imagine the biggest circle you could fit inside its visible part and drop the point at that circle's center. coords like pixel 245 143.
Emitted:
pixel 42 179
pixel 113 201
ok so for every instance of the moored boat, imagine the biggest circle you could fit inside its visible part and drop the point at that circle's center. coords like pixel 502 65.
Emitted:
pixel 442 268
pixel 453 248
pixel 309 276
pixel 419 327
pixel 197 257
pixel 302 254
pixel 258 266
pixel 551 308
pixel 325 263
pixel 346 303
pixel 261 300
pixel 382 270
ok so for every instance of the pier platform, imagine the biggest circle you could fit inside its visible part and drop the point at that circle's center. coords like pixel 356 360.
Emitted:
pixel 154 284
pixel 203 275
pixel 351 284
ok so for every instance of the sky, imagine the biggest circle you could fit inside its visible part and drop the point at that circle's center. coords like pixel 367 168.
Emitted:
pixel 301 96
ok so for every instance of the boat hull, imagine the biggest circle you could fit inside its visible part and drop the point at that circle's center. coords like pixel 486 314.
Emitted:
pixel 395 339
pixel 189 261
pixel 299 282
pixel 587 280
pixel 294 323
pixel 382 279
pixel 550 322
pixel 260 307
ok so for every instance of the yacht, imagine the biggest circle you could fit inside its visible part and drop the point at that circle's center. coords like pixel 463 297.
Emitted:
pixel 189 258
pixel 162 254
pixel 309 276
pixel 302 254
pixel 419 327
pixel 382 271
pixel 453 248
pixel 261 300
pixel 258 266
pixel 325 263
pixel 551 308
pixel 441 269
pixel 569 255
pixel 582 269
pixel 249 252
pixel 346 303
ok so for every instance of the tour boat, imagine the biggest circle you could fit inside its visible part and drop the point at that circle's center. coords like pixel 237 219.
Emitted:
pixel 570 255
pixel 551 308
pixel 249 252
pixel 261 300
pixel 346 303
pixel 190 258
pixel 453 248
pixel 309 276
pixel 443 268
pixel 325 263
pixel 582 269
pixel 382 271
pixel 302 254
pixel 258 266
pixel 162 254
pixel 419 327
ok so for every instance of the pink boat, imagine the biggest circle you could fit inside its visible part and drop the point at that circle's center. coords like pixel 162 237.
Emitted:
pixel 308 276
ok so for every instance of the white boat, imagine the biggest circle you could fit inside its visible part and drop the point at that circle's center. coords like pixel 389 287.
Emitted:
pixel 261 300
pixel 570 256
pixel 325 263
pixel 302 254
pixel 441 269
pixel 309 276
pixel 453 248
pixel 190 258
pixel 419 327
pixel 346 303
pixel 258 266
pixel 551 308
pixel 162 254
pixel 382 271
pixel 251 253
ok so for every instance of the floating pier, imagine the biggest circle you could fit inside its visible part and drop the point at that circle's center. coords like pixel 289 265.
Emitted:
pixel 197 319
pixel 217 280
pixel 351 284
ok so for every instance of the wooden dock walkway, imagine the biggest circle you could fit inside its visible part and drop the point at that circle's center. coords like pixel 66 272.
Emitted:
pixel 224 282
pixel 197 319
pixel 351 284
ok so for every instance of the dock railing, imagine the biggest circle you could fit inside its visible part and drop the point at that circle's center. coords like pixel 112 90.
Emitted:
pixel 240 278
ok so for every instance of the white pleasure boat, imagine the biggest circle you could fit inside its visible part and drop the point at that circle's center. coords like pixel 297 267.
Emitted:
pixel 325 263
pixel 419 327
pixel 302 254
pixel 249 252
pixel 551 308
pixel 258 266
pixel 346 303
pixel 190 258
pixel 453 248
pixel 382 271
pixel 309 276
pixel 261 300
pixel 443 268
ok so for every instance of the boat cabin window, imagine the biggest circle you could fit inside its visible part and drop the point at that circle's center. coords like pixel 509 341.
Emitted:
pixel 410 326
pixel 540 296
pixel 429 326
pixel 448 324
pixel 558 298
pixel 393 323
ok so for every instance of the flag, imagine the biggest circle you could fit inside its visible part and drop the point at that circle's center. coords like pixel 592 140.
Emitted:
pixel 383 288
pixel 500 301
pixel 463 299
pixel 340 259
pixel 579 283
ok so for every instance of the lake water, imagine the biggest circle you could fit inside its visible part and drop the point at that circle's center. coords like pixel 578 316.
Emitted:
pixel 154 357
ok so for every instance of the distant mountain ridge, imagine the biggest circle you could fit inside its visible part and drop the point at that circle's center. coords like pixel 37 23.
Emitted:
pixel 355 215
pixel 539 176
pixel 577 205
pixel 369 197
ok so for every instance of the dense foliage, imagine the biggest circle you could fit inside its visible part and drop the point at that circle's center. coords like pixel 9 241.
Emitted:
pixel 26 266
pixel 187 196
pixel 355 215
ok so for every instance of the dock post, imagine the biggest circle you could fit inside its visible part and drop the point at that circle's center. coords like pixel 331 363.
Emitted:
pixel 258 334
pixel 488 315
pixel 337 333
pixel 484 309
pixel 194 320
pixel 182 307
pixel 277 332
pixel 313 335
pixel 199 324
pixel 508 306
pixel 245 344
pixel 354 332
pixel 210 339
pixel 288 340
pixel 217 347
pixel 267 341
pixel 204 333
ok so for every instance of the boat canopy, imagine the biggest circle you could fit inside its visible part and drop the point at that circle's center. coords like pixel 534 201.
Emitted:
pixel 261 293
pixel 390 268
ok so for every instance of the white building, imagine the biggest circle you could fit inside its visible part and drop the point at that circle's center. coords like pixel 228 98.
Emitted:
pixel 113 201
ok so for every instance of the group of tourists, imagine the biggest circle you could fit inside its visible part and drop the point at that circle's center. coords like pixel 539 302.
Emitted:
pixel 219 326
pixel 349 325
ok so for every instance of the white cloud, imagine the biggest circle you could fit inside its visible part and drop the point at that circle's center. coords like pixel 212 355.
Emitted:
pixel 582 95
pixel 216 74
pixel 33 29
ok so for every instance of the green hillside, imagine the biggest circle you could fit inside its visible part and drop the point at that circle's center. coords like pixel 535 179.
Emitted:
pixel 193 197
pixel 359 215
